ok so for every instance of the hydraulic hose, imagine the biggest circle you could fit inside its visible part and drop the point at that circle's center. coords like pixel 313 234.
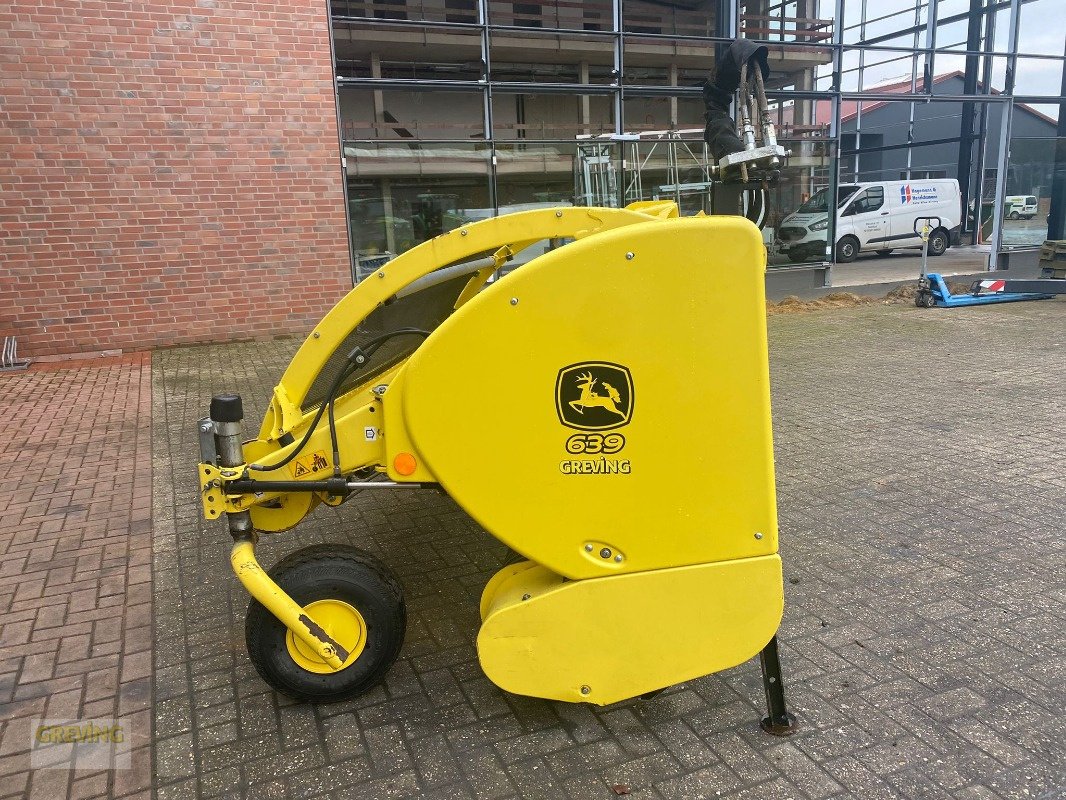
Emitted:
pixel 356 359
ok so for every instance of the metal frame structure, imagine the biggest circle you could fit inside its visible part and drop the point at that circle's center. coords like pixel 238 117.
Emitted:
pixel 921 22
pixel 684 150
pixel 977 98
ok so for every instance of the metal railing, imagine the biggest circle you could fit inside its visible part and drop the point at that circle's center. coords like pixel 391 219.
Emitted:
pixel 9 359
pixel 573 15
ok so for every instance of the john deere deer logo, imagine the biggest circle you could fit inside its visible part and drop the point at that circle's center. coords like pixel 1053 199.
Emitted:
pixel 590 399
pixel 594 396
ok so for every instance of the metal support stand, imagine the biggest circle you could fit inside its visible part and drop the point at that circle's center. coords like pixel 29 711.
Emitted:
pixel 780 722
pixel 227 413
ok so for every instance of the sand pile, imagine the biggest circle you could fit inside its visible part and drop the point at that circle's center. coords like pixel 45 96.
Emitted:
pixel 904 294
pixel 793 305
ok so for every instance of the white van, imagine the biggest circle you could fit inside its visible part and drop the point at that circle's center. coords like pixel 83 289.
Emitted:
pixel 873 216
pixel 1019 206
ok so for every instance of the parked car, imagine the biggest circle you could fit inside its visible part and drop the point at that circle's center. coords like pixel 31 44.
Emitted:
pixel 880 216
pixel 1019 206
pixel 373 220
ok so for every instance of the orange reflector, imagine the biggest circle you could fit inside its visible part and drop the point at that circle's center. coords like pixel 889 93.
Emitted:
pixel 405 464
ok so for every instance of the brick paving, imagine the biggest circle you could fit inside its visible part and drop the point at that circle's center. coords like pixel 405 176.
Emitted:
pixel 75 566
pixel 921 482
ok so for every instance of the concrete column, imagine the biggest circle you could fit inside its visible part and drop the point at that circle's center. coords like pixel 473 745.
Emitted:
pixel 583 110
pixel 673 99
pixel 379 98
pixel 386 196
pixel 803 112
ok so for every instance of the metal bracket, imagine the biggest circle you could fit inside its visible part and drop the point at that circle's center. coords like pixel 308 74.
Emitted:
pixel 211 494
pixel 222 490
pixel 767 158
pixel 208 451
pixel 502 256
pixel 286 413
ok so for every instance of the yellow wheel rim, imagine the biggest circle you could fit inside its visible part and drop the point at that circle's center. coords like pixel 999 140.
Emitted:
pixel 342 622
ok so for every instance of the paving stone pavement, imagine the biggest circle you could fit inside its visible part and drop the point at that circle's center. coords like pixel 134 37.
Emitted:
pixel 921 473
pixel 75 567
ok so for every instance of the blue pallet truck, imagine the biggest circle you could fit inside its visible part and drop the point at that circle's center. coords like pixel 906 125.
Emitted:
pixel 933 289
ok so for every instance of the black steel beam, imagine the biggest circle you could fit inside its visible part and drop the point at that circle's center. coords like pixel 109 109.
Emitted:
pixel 904 146
pixel 969 86
pixel 1056 224
pixel 1036 286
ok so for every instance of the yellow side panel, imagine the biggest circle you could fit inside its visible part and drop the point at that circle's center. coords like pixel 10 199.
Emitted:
pixel 396 436
pixel 497 581
pixel 605 408
pixel 608 639
pixel 517 230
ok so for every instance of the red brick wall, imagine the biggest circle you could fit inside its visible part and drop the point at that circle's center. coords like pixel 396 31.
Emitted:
pixel 169 172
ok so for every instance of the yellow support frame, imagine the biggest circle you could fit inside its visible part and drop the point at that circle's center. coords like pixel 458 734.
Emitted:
pixel 259 585
pixel 359 408
pixel 552 626
pixel 513 231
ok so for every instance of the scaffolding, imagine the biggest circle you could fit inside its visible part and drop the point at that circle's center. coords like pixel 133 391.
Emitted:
pixel 606 162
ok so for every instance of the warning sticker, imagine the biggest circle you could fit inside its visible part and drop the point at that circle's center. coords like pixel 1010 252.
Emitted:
pixel 309 464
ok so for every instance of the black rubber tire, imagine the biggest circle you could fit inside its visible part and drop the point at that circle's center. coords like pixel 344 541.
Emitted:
pixel 928 301
pixel 938 242
pixel 321 572
pixel 884 253
pixel 847 250
pixel 1014 215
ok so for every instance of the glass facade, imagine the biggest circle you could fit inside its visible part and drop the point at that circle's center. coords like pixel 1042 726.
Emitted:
pixel 455 110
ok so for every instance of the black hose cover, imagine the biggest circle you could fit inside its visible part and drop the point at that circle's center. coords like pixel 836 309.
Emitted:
pixel 727 72
pixel 720 133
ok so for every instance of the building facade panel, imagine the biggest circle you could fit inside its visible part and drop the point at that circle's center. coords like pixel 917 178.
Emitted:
pixel 174 174
pixel 561 86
